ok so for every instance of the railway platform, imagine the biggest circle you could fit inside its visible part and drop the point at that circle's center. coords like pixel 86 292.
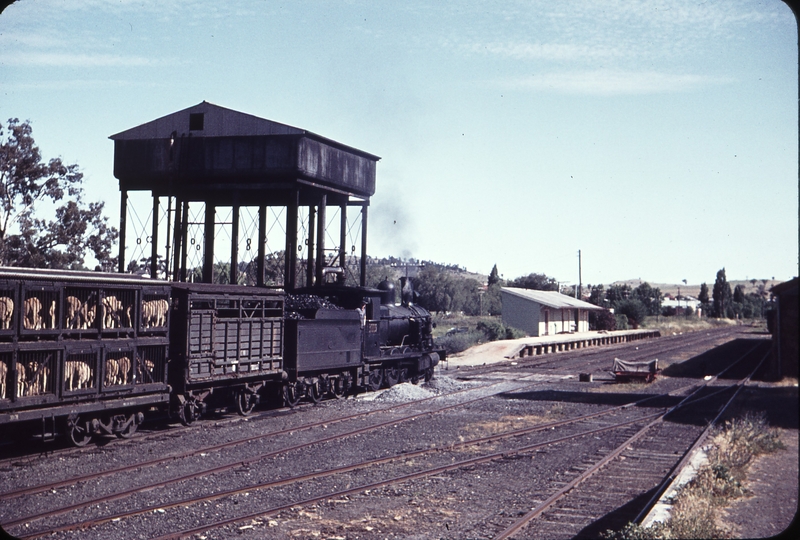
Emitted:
pixel 503 350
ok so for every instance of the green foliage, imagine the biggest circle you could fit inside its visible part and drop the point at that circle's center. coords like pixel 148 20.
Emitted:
pixel 597 296
pixel 634 310
pixel 495 330
pixel 494 277
pixel 620 321
pixel 722 296
pixel 493 302
pixel 539 282
pixel 651 297
pixel 617 293
pixel 26 180
pixel 460 342
pixel 603 320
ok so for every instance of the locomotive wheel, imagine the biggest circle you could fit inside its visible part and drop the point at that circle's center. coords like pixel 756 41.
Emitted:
pixel 336 387
pixel 245 402
pixel 313 392
pixel 79 432
pixel 392 376
pixel 428 374
pixel 130 429
pixel 375 379
pixel 291 396
pixel 188 413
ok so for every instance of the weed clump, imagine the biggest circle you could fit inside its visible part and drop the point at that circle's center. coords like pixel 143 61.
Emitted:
pixel 721 480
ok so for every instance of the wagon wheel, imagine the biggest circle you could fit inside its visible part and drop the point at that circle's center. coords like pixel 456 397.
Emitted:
pixel 404 375
pixel 429 374
pixel 392 376
pixel 79 432
pixel 245 402
pixel 188 413
pixel 336 387
pixel 130 429
pixel 291 396
pixel 415 378
pixel 375 379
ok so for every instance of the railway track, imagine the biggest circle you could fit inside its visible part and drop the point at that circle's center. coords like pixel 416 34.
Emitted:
pixel 437 459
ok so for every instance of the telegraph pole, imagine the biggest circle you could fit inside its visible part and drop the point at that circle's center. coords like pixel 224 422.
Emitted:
pixel 579 289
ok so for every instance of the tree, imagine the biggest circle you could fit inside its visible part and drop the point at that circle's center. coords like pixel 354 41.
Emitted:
pixel 539 282
pixel 617 293
pixel 634 310
pixel 705 303
pixel 651 297
pixel 494 277
pixel 721 295
pixel 597 295
pixel 27 182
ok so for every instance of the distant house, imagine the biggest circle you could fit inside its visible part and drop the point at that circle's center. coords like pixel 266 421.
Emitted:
pixel 683 303
pixel 544 313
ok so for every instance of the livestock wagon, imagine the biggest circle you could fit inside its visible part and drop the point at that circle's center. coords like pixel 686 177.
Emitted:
pixel 81 352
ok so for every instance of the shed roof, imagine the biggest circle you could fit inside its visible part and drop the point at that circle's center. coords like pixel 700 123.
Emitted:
pixel 551 299
pixel 219 122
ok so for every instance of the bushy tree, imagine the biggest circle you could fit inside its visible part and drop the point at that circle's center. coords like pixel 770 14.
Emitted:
pixel 651 297
pixel 539 282
pixel 26 183
pixel 597 296
pixel 602 320
pixel 617 293
pixel 634 310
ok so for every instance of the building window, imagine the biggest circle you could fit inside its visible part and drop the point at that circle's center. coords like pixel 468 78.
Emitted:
pixel 196 121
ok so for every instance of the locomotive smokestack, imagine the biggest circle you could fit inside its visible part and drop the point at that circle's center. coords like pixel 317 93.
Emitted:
pixel 406 291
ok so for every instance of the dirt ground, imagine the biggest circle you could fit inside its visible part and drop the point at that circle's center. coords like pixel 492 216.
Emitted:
pixel 771 509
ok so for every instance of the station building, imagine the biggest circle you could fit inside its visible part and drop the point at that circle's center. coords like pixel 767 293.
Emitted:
pixel 544 313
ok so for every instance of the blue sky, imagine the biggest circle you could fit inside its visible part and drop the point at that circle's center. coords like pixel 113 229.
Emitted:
pixel 659 138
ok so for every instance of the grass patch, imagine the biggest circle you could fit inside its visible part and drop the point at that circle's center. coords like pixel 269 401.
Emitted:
pixel 678 325
pixel 721 480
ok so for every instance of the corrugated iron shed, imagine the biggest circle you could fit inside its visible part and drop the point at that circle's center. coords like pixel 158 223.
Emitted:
pixel 552 299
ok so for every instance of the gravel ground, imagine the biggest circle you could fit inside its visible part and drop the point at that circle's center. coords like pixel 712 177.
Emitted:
pixel 475 501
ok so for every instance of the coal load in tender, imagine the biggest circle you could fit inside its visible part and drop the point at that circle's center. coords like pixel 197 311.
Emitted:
pixel 305 306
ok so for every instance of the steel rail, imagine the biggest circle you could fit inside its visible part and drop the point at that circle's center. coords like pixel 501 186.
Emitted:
pixel 400 479
pixel 490 438
pixel 222 468
pixel 531 515
pixel 354 466
pixel 229 444
pixel 676 470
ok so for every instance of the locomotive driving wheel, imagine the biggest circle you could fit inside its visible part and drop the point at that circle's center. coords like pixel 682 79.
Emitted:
pixel 393 376
pixel 375 379
pixel 429 374
pixel 245 402
pixel 79 431
pixel 291 394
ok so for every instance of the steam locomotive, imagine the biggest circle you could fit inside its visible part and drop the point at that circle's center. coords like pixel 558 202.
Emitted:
pixel 87 353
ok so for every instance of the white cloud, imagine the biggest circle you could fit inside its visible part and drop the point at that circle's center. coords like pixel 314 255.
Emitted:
pixel 548 51
pixel 614 82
